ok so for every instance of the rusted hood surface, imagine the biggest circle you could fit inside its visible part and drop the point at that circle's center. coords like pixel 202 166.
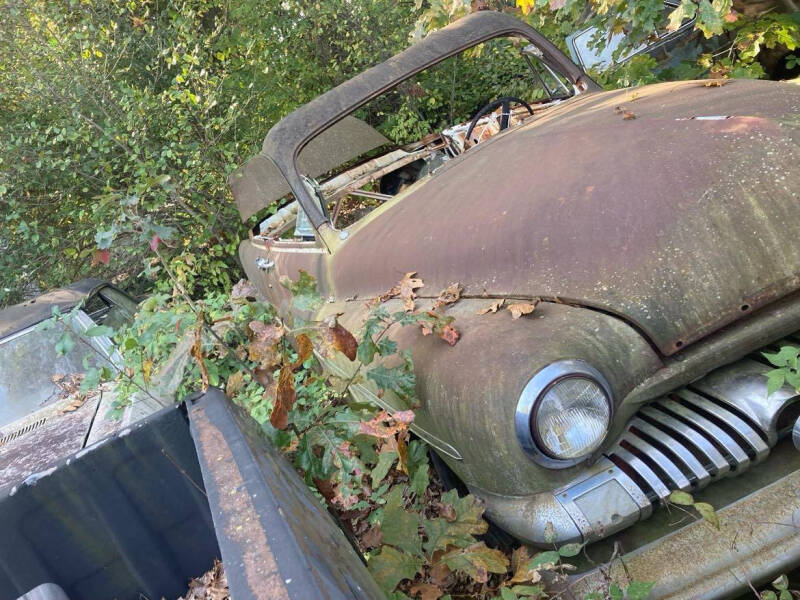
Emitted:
pixel 680 225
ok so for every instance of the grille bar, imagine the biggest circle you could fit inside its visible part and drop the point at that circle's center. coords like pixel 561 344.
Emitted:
pixel 684 441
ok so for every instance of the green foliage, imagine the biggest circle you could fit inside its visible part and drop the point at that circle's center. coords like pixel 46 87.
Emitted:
pixel 786 371
pixel 704 509
pixel 122 120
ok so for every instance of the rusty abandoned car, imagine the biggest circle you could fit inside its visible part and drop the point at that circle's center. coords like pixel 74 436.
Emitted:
pixel 658 229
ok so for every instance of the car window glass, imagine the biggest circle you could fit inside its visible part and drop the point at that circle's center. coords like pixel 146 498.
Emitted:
pixel 28 362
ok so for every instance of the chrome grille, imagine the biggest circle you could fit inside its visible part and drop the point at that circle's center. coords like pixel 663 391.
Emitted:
pixel 686 440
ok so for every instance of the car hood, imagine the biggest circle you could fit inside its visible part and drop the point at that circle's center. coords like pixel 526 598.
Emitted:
pixel 674 206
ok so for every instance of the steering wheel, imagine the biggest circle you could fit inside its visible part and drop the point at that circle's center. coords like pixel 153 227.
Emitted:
pixel 505 103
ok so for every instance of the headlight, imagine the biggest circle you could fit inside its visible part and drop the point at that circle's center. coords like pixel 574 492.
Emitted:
pixel 571 417
pixel 564 413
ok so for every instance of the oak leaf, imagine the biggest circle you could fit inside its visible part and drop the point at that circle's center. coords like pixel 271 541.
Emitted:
pixel 477 561
pixel 492 308
pixel 284 399
pixel 263 342
pixel 338 338
pixel 449 295
pixel 521 308
pixel 304 350
pixel 406 288
pixel 391 566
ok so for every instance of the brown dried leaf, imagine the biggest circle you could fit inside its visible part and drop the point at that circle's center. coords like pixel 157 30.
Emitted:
pixel 197 354
pixel 439 571
pixel 521 308
pixel 426 591
pixel 338 338
pixel 450 334
pixel 284 399
pixel 304 350
pixel 243 290
pixel 373 538
pixel 325 487
pixel 385 426
pixel 519 558
pixel 402 453
pixel 101 256
pixel 492 308
pixel 263 343
pixel 628 115
pixel 715 82
pixel 447 512
pixel 263 376
pixel 448 295
pixel 234 384
pixel 406 288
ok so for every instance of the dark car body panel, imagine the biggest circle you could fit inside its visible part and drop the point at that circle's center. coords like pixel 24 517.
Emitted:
pixel 124 518
pixel 21 316
pixel 277 540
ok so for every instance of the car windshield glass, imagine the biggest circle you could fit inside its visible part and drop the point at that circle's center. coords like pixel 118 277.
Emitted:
pixel 28 363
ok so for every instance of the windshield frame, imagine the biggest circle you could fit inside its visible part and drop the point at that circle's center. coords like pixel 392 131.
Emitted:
pixel 285 141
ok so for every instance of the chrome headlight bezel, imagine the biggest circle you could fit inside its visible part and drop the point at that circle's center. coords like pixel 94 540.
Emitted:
pixel 528 402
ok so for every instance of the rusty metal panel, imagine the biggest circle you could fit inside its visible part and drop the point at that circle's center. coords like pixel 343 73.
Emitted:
pixel 277 540
pixel 679 225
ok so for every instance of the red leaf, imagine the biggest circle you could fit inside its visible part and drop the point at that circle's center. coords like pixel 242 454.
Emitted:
pixel 154 243
pixel 101 256
pixel 450 334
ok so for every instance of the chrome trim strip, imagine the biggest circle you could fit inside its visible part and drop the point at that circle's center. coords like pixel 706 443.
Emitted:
pixel 739 456
pixel 653 480
pixel 716 460
pixel 670 468
pixel 736 423
pixel 677 449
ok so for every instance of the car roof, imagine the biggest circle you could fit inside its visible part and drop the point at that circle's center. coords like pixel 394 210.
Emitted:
pixel 21 316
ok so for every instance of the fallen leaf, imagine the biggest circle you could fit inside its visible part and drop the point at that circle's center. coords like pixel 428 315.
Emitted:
pixel 426 591
pixel 492 308
pixel 244 289
pixel 263 375
pixel 406 417
pixel 373 538
pixel 715 82
pixel 406 287
pixel 448 296
pixel 234 384
pixel 284 399
pixel 304 350
pixel 450 334
pixel 338 338
pixel 627 115
pixel 477 561
pixel 154 241
pixel 521 308
pixel 385 426
pixel 391 566
pixel 707 512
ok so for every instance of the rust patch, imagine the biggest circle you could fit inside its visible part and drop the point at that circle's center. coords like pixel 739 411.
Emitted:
pixel 242 524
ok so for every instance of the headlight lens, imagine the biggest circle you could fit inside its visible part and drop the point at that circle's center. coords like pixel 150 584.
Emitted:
pixel 571 417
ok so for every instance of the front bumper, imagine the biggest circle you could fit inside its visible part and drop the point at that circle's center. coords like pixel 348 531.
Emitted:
pixel 759 538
